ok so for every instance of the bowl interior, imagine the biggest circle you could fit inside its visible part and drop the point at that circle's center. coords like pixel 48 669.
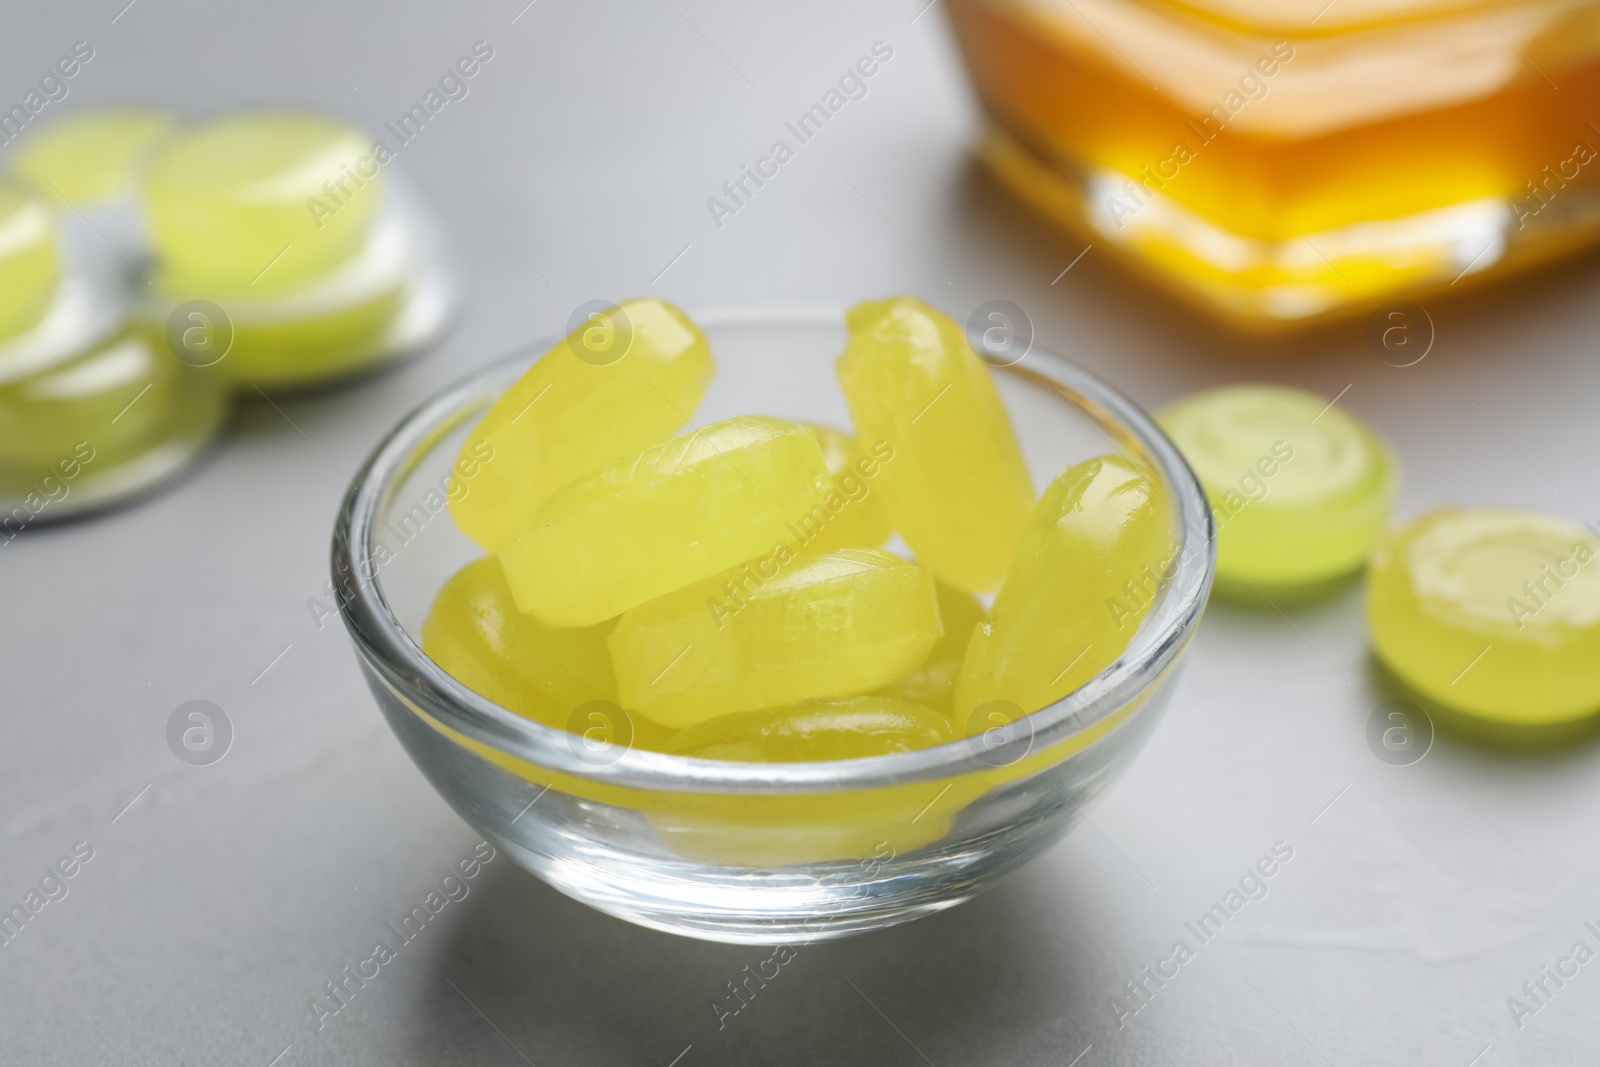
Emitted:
pixel 781 366
pixel 775 361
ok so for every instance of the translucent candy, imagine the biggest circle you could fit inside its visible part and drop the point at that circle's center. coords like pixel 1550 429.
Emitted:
pixel 671 515
pixel 1299 489
pixel 475 632
pixel 348 333
pixel 816 730
pixel 92 156
pixel 860 521
pixel 933 681
pixel 1089 566
pixel 28 260
pixel 581 406
pixel 956 488
pixel 1493 611
pixel 257 203
pixel 559 677
pixel 122 409
pixel 819 627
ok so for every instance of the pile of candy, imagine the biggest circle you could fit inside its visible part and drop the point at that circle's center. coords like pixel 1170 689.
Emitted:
pixel 728 587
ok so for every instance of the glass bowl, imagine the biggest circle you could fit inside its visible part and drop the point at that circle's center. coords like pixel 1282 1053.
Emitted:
pixel 761 853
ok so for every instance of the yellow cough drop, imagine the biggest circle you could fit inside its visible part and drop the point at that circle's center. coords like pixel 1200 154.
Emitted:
pixel 557 676
pixel 854 517
pixel 29 262
pixel 1299 488
pixel 659 520
pixel 933 681
pixel 230 204
pixel 624 381
pixel 475 632
pixel 957 490
pixel 1089 567
pixel 95 156
pixel 1492 611
pixel 820 627
pixel 852 728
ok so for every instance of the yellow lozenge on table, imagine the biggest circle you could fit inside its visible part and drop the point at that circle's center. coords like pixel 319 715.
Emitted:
pixel 1493 611
pixel 82 407
pixel 233 206
pixel 957 489
pixel 671 515
pixel 283 224
pixel 1096 553
pixel 618 385
pixel 93 157
pixel 1299 488
pixel 820 627
pixel 860 520
pixel 29 262
pixel 852 728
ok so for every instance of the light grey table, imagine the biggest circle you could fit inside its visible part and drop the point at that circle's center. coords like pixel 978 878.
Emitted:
pixel 220 899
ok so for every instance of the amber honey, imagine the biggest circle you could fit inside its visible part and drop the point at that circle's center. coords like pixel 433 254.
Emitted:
pixel 1280 163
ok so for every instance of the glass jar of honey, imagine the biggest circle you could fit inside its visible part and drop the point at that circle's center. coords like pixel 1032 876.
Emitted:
pixel 1284 161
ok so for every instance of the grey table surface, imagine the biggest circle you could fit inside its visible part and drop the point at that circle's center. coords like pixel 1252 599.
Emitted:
pixel 219 899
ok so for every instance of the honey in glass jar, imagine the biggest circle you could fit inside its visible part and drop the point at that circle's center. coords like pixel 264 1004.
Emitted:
pixel 1282 161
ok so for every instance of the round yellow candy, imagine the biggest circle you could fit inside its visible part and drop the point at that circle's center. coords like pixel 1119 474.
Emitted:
pixel 118 414
pixel 1493 611
pixel 1299 488
pixel 258 203
pixel 93 156
pixel 29 264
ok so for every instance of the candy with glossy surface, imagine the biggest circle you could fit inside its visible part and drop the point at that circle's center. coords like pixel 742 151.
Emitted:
pixel 957 489
pixel 659 520
pixel 851 728
pixel 257 203
pixel 1493 611
pixel 29 263
pixel 859 520
pixel 121 402
pixel 1088 568
pixel 560 677
pixel 1299 488
pixel 475 632
pixel 933 681
pixel 819 627
pixel 579 407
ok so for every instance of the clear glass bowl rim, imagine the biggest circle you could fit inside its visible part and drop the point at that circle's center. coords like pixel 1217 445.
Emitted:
pixel 391 651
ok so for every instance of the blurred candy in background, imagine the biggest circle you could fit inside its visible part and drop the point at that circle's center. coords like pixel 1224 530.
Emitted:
pixel 149 268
